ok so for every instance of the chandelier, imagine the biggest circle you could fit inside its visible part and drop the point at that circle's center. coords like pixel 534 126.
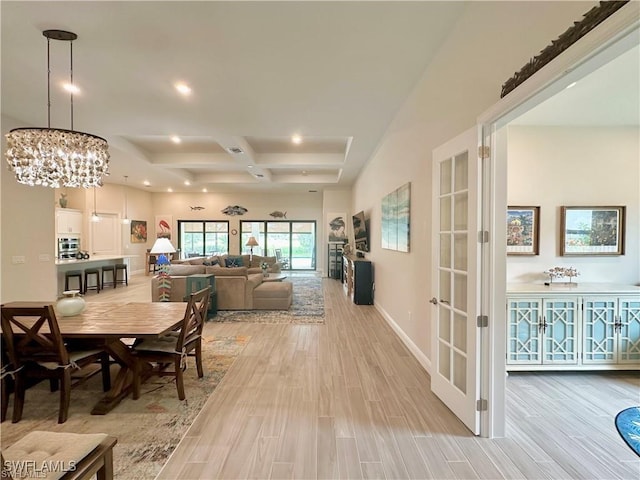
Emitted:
pixel 53 157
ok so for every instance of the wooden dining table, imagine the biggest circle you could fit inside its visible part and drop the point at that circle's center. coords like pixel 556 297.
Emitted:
pixel 107 324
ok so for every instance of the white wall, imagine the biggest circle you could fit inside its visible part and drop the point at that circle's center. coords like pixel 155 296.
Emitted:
pixel 27 230
pixel 554 166
pixel 491 41
pixel 298 206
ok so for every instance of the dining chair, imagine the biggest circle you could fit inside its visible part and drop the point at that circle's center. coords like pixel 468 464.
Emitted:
pixel 174 347
pixel 36 350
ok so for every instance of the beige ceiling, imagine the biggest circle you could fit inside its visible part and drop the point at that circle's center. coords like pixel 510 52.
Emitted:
pixel 334 72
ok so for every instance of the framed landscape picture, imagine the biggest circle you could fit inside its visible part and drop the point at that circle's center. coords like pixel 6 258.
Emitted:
pixel 523 230
pixel 592 231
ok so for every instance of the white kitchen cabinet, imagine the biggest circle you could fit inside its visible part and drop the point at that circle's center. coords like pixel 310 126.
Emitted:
pixel 68 221
pixel 586 327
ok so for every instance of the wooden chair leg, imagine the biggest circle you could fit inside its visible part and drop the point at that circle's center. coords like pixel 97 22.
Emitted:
pixel 106 471
pixel 199 359
pixel 18 397
pixel 106 373
pixel 65 396
pixel 179 379
pixel 4 393
pixel 136 378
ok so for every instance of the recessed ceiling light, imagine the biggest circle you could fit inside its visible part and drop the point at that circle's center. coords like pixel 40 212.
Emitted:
pixel 169 189
pixel 176 139
pixel 304 172
pixel 249 166
pixel 187 183
pixel 146 183
pixel 204 190
pixel 71 88
pixel 297 139
pixel 571 85
pixel 183 88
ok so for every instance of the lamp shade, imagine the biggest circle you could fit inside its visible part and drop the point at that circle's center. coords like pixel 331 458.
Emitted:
pixel 162 245
pixel 252 242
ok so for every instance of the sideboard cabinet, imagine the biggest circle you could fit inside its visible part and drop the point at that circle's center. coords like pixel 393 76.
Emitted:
pixel 580 327
pixel 358 280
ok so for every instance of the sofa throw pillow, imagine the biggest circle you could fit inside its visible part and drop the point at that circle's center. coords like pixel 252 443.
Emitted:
pixel 233 262
pixel 211 262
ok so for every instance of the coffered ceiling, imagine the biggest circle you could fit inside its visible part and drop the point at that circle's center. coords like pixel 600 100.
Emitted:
pixel 333 72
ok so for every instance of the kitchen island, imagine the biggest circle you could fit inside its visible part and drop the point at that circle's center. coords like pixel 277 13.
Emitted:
pixel 96 261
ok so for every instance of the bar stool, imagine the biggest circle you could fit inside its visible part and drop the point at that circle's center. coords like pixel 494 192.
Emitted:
pixel 121 267
pixel 73 274
pixel 96 286
pixel 109 269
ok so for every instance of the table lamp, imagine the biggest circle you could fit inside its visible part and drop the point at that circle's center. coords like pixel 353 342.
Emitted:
pixel 252 242
pixel 163 248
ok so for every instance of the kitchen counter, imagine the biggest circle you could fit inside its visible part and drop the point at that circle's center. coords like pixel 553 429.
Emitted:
pixel 96 261
pixel 94 258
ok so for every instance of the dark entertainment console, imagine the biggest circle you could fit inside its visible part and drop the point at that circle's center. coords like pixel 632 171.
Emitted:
pixel 358 280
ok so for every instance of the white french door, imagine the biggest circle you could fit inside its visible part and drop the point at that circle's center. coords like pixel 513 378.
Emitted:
pixel 456 200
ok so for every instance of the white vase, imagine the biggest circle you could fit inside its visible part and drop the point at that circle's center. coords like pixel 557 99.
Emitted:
pixel 265 272
pixel 71 304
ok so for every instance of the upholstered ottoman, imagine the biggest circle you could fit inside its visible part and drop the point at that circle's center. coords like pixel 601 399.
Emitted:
pixel 273 296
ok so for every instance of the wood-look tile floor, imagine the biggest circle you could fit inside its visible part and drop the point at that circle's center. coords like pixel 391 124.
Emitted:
pixel 347 400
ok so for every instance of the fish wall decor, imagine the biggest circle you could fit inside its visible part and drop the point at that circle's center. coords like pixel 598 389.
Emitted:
pixel 278 214
pixel 234 210
pixel 196 208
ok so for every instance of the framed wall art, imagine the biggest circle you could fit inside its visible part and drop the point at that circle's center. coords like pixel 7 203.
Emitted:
pixel 138 231
pixel 592 231
pixel 396 218
pixel 523 230
pixel 163 226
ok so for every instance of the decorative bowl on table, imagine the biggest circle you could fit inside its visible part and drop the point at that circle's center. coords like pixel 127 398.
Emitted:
pixel 71 304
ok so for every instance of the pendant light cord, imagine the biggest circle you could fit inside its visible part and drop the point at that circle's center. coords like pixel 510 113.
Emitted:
pixel 71 75
pixel 48 84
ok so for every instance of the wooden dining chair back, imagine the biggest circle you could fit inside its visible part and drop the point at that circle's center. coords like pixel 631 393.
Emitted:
pixel 174 348
pixel 36 349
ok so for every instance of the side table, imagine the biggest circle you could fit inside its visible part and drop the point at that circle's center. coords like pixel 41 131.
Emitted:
pixel 199 281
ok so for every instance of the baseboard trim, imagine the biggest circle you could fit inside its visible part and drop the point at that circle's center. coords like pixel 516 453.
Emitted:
pixel 422 359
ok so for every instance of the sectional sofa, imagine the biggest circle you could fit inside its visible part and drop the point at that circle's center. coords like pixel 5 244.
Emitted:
pixel 237 288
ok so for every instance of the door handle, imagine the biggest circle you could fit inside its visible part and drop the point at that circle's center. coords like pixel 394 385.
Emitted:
pixel 434 300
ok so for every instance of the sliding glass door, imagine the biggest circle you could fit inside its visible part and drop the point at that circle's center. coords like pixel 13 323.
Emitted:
pixel 203 238
pixel 293 243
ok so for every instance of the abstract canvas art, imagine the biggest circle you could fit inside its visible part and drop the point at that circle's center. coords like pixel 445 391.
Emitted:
pixel 396 217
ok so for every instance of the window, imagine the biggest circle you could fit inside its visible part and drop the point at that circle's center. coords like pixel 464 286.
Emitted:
pixel 294 242
pixel 202 238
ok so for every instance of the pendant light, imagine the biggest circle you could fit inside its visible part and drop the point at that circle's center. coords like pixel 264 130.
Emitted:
pixel 54 157
pixel 94 216
pixel 125 220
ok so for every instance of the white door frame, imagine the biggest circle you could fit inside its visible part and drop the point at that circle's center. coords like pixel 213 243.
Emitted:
pixel 617 34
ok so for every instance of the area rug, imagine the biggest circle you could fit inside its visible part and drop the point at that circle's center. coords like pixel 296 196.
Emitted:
pixel 628 425
pixel 148 429
pixel 307 306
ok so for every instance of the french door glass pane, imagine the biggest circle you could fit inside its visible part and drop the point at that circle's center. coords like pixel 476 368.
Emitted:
pixel 461 172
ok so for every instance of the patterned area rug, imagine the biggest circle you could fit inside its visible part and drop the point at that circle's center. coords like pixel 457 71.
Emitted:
pixel 148 429
pixel 307 306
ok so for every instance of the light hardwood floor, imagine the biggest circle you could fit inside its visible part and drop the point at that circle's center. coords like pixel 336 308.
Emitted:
pixel 347 400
